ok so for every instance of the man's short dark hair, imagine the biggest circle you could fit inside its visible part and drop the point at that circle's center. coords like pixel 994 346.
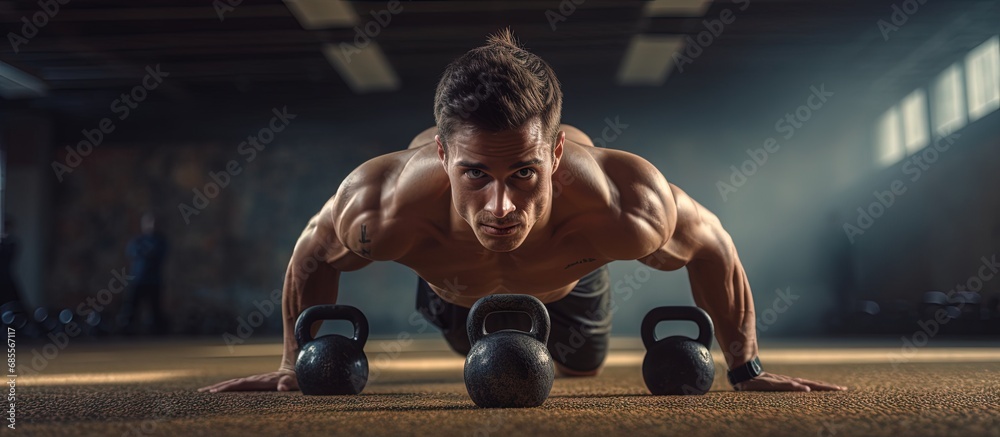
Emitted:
pixel 499 86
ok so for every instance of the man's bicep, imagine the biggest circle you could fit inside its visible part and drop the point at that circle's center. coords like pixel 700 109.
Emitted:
pixel 366 226
pixel 321 244
pixel 642 214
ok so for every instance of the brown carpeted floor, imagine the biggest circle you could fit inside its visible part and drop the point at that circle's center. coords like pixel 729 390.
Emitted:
pixel 149 389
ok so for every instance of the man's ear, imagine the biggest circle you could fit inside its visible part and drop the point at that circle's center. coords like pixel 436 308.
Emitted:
pixel 557 151
pixel 441 153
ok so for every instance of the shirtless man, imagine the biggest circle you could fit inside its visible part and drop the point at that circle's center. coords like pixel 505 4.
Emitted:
pixel 500 197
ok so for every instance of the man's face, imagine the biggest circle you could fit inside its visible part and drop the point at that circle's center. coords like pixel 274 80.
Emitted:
pixel 501 182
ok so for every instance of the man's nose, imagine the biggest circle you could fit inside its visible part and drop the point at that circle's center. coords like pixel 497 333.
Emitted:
pixel 500 204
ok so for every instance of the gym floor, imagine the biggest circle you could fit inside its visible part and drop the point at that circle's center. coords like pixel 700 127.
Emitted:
pixel 149 388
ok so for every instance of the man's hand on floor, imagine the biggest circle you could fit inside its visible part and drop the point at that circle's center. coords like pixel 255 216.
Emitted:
pixel 773 382
pixel 282 380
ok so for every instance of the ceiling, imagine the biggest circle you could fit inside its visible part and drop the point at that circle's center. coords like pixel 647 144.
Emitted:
pixel 93 50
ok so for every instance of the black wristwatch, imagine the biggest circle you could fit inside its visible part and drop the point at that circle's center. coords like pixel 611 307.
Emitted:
pixel 746 372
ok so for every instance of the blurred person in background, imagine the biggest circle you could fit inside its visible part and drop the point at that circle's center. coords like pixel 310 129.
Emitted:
pixel 146 254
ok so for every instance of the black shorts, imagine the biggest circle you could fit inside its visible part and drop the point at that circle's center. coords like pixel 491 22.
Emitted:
pixel 581 321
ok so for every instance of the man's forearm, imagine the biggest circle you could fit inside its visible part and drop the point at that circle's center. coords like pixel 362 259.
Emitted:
pixel 307 283
pixel 720 287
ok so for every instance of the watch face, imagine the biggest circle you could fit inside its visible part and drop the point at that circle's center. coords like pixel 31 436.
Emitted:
pixel 755 365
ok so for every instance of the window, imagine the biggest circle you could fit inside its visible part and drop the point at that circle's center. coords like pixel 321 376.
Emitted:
pixel 982 76
pixel 904 129
pixel 913 109
pixel 889 139
pixel 948 101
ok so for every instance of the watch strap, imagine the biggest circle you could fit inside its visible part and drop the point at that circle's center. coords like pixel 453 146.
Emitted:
pixel 749 370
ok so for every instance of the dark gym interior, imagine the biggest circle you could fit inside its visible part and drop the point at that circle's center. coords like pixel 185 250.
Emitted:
pixel 848 147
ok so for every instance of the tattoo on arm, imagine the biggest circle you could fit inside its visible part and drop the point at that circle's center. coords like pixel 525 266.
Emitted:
pixel 585 260
pixel 365 248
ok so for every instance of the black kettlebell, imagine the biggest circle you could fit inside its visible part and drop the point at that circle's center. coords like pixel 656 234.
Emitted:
pixel 678 365
pixel 508 368
pixel 331 364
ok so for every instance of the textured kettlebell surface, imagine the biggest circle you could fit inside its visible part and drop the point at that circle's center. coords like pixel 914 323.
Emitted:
pixel 331 365
pixel 508 369
pixel 678 366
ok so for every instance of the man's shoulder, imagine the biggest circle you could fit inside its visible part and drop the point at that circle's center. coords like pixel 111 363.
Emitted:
pixel 376 171
pixel 384 196
pixel 622 167
pixel 640 203
pixel 622 179
pixel 394 184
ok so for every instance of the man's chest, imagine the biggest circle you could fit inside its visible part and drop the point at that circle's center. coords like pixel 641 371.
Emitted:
pixel 463 273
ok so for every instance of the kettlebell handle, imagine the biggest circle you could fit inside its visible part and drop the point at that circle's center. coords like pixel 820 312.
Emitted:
pixel 476 323
pixel 706 330
pixel 303 331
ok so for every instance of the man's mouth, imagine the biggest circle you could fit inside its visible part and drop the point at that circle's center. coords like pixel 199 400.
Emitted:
pixel 499 230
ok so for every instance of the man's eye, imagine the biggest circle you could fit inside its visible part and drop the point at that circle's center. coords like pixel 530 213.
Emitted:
pixel 474 173
pixel 525 173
